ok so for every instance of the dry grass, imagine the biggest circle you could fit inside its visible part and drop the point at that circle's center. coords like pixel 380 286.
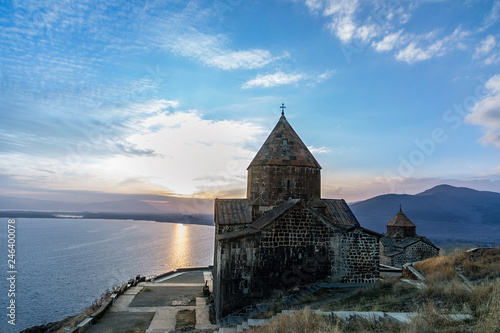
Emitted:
pixel 303 321
pixel 185 320
pixel 384 295
pixel 476 266
pixel 440 268
pixel 444 293
pixel 483 265
pixel 486 299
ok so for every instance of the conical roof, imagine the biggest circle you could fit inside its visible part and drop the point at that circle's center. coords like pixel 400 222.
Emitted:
pixel 400 220
pixel 284 147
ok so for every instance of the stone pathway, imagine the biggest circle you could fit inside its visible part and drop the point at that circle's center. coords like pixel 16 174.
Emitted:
pixel 164 318
pixel 465 280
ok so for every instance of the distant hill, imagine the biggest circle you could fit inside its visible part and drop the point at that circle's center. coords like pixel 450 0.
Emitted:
pixel 123 206
pixel 153 208
pixel 442 212
pixel 14 203
pixel 120 206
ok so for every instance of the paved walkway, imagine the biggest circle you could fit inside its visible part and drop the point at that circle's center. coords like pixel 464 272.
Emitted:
pixel 174 286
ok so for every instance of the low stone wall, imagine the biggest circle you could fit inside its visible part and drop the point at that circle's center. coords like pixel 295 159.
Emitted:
pixel 180 270
pixel 409 272
pixel 106 304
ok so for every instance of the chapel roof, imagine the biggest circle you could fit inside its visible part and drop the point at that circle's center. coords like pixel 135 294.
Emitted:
pixel 284 147
pixel 400 220
pixel 393 247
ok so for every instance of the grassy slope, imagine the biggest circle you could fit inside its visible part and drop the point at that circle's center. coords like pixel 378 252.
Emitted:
pixel 444 293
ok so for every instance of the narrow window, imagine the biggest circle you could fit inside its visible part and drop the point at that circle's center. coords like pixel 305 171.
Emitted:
pixel 285 142
pixel 288 184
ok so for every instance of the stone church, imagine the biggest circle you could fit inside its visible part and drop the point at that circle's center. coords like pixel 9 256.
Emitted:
pixel 283 234
pixel 401 244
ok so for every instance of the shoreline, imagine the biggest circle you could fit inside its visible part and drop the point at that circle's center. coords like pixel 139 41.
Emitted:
pixel 101 306
pixel 198 219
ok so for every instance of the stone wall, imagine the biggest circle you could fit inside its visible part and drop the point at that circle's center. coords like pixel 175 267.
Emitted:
pixel 415 252
pixel 297 248
pixel 359 257
pixel 274 184
pixel 233 274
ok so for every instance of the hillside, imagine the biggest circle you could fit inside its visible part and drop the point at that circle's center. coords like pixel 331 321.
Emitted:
pixel 442 212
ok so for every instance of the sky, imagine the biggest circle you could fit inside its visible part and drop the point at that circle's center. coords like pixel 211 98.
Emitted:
pixel 176 97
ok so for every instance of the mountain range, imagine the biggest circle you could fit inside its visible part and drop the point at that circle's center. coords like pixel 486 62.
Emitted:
pixel 442 212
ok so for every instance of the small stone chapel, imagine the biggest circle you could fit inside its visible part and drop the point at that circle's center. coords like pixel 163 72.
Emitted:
pixel 401 244
pixel 283 234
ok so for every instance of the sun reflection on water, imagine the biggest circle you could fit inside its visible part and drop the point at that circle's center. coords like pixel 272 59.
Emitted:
pixel 180 251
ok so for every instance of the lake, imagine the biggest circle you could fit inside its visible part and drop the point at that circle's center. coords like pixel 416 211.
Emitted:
pixel 63 265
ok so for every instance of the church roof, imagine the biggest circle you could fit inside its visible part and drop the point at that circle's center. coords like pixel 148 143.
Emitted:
pixel 400 220
pixel 339 212
pixel 284 147
pixel 232 211
pixel 343 216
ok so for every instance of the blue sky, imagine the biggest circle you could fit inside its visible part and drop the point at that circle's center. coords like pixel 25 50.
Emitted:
pixel 176 97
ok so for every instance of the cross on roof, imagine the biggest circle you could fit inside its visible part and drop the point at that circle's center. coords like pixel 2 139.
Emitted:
pixel 282 107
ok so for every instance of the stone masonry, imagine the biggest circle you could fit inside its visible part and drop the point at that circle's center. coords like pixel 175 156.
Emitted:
pixel 283 234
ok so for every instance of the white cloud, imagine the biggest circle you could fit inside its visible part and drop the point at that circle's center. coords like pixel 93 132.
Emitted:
pixel 486 113
pixel 272 80
pixel 341 14
pixel 492 17
pixel 279 78
pixel 325 76
pixel 183 142
pixel 318 150
pixel 412 54
pixel 366 33
pixel 212 50
pixel 159 147
pixel 488 51
pixel 485 46
pixel 388 42
pixel 426 46
pixel 379 25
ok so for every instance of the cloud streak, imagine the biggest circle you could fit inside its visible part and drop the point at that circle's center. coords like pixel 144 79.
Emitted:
pixel 279 78
pixel 272 80
pixel 213 51
pixel 381 26
pixel 486 113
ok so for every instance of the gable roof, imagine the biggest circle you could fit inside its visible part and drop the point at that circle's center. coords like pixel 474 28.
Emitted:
pixel 262 222
pixel 232 211
pixel 400 220
pixel 388 241
pixel 284 147
pixel 393 247
pixel 274 213
pixel 339 212
pixel 282 209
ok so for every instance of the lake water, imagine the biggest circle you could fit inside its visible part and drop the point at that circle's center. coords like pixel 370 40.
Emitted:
pixel 63 265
